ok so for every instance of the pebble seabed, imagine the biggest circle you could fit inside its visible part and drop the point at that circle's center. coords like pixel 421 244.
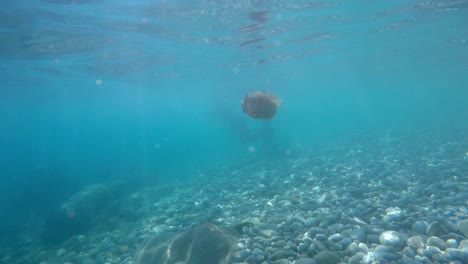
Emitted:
pixel 386 201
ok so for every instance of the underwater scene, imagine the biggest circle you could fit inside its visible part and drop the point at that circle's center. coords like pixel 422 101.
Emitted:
pixel 233 132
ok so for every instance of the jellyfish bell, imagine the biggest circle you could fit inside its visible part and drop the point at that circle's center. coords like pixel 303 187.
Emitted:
pixel 260 105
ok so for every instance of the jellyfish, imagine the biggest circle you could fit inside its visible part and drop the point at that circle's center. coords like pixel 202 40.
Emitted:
pixel 260 105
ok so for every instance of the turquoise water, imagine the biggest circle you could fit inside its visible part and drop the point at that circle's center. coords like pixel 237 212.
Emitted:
pixel 150 91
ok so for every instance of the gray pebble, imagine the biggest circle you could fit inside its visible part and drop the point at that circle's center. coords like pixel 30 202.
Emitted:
pixel 358 234
pixel 283 254
pixel 241 255
pixel 452 243
pixel 455 254
pixel 321 237
pixel 463 227
pixel 409 252
pixel 391 238
pixel 335 237
pixel 416 242
pixel 251 259
pixel 296 218
pixel 363 248
pixel 435 229
pixel 464 243
pixel 302 247
pixel 257 251
pixel 327 257
pixel 283 261
pixel 407 260
pixel 442 257
pixel 373 238
pixel 305 261
pixel 353 248
pixel 436 242
pixel 296 226
pixel 419 227
pixel 356 259
pixel 312 221
pixel 88 261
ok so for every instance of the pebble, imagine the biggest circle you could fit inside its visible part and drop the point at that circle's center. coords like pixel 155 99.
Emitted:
pixel 452 243
pixel 416 242
pixel 321 237
pixel 353 248
pixel 241 255
pixel 435 229
pixel 335 237
pixel 356 259
pixel 283 254
pixel 436 242
pixel 393 214
pixel 463 227
pixel 420 227
pixel 327 257
pixel 296 218
pixel 305 261
pixel 363 248
pixel 358 235
pixel 391 238
pixel 464 243
pixel 268 233
pixel 302 247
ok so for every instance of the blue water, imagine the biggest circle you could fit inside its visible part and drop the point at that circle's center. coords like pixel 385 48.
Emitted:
pixel 149 91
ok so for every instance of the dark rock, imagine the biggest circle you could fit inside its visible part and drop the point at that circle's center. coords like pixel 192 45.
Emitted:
pixel 327 257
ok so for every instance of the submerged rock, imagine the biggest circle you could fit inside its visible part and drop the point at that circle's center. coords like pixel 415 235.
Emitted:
pixel 327 257
pixel 463 226
pixel 205 243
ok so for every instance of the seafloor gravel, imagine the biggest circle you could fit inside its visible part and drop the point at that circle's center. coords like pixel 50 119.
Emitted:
pixel 386 200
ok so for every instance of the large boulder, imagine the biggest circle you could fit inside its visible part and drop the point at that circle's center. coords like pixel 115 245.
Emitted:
pixel 204 243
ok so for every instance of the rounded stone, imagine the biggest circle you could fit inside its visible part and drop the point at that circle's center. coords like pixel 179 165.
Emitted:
pixel 436 242
pixel 358 234
pixel 251 259
pixel 363 248
pixel 353 248
pixel 335 237
pixel 257 251
pixel 327 257
pixel 241 255
pixel 435 229
pixel 356 259
pixel 302 247
pixel 305 261
pixel 464 243
pixel 409 252
pixel 463 227
pixel 321 237
pixel 415 242
pixel 442 257
pixel 391 238
pixel 393 214
pixel 283 254
pixel 452 243
pixel 419 227
pixel 455 254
